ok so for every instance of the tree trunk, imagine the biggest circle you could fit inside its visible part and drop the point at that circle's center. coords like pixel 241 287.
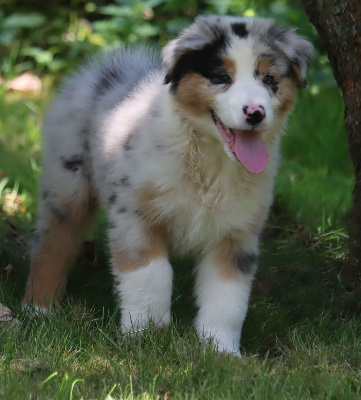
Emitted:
pixel 338 23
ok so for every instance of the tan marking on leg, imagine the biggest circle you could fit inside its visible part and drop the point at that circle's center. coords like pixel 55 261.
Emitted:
pixel 231 67
pixel 225 258
pixel 195 94
pixel 49 268
pixel 53 258
pixel 226 250
pixel 155 248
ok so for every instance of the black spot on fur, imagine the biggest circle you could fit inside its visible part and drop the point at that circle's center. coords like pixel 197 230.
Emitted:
pixel 138 212
pixel 45 194
pixel 86 145
pixel 109 78
pixel 125 181
pixel 111 225
pixel 122 210
pixel 240 29
pixel 206 62
pixel 60 216
pixel 277 32
pixel 72 164
pixel 274 88
pixel 128 143
pixel 160 146
pixel 155 113
pixel 35 238
pixel 246 262
pixel 113 198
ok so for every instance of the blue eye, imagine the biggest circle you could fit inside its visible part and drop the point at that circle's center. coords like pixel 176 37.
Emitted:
pixel 268 80
pixel 221 79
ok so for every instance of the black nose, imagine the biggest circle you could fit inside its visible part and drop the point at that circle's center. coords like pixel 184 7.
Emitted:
pixel 255 118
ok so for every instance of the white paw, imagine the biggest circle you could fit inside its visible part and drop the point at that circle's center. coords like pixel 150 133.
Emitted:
pixel 222 340
pixel 35 310
pixel 228 348
pixel 136 323
pixel 233 352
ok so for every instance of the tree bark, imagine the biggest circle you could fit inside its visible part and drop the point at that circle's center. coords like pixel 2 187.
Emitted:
pixel 338 23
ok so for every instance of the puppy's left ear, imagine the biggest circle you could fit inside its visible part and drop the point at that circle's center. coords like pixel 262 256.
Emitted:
pixel 296 48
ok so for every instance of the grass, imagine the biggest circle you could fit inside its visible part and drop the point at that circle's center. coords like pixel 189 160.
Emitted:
pixel 301 339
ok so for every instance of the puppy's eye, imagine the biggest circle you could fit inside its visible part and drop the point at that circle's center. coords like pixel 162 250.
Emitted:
pixel 221 79
pixel 268 80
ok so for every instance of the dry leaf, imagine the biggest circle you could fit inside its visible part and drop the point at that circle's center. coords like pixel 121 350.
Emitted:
pixel 7 317
pixel 27 83
pixel 12 204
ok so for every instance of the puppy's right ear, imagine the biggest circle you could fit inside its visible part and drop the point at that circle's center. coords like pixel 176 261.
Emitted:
pixel 204 30
pixel 169 56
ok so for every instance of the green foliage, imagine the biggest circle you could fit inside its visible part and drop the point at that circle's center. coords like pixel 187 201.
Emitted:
pixel 316 178
pixel 55 38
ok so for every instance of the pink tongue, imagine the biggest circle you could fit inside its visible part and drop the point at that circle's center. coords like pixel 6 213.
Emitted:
pixel 250 150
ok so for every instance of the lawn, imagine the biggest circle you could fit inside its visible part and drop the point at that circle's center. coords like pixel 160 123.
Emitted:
pixel 301 339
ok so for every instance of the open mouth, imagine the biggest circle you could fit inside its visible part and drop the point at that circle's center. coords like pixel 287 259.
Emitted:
pixel 245 144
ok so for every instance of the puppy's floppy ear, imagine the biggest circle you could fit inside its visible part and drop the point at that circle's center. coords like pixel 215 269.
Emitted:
pixel 169 56
pixel 203 31
pixel 296 48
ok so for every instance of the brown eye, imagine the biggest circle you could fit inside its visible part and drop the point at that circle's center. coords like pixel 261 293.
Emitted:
pixel 221 79
pixel 268 80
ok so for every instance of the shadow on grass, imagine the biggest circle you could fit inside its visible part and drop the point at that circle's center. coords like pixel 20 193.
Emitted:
pixel 295 286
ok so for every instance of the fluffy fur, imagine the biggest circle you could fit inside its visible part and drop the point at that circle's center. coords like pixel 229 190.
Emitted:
pixel 152 140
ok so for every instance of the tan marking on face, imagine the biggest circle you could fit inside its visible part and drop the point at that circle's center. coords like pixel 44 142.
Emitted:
pixel 287 95
pixel 264 66
pixel 195 95
pixel 286 92
pixel 126 261
pixel 231 67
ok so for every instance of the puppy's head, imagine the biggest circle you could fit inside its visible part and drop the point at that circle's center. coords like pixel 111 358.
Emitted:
pixel 236 79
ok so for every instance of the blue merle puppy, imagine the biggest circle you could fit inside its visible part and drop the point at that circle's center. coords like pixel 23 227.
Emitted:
pixel 182 152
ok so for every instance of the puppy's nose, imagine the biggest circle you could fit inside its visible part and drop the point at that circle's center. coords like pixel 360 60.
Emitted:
pixel 254 114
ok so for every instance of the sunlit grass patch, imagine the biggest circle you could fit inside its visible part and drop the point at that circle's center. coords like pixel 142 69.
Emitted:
pixel 79 355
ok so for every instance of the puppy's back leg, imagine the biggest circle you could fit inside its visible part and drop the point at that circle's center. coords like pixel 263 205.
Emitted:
pixel 61 228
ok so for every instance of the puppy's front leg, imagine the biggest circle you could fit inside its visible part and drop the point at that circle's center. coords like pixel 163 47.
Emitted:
pixel 143 275
pixel 223 286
